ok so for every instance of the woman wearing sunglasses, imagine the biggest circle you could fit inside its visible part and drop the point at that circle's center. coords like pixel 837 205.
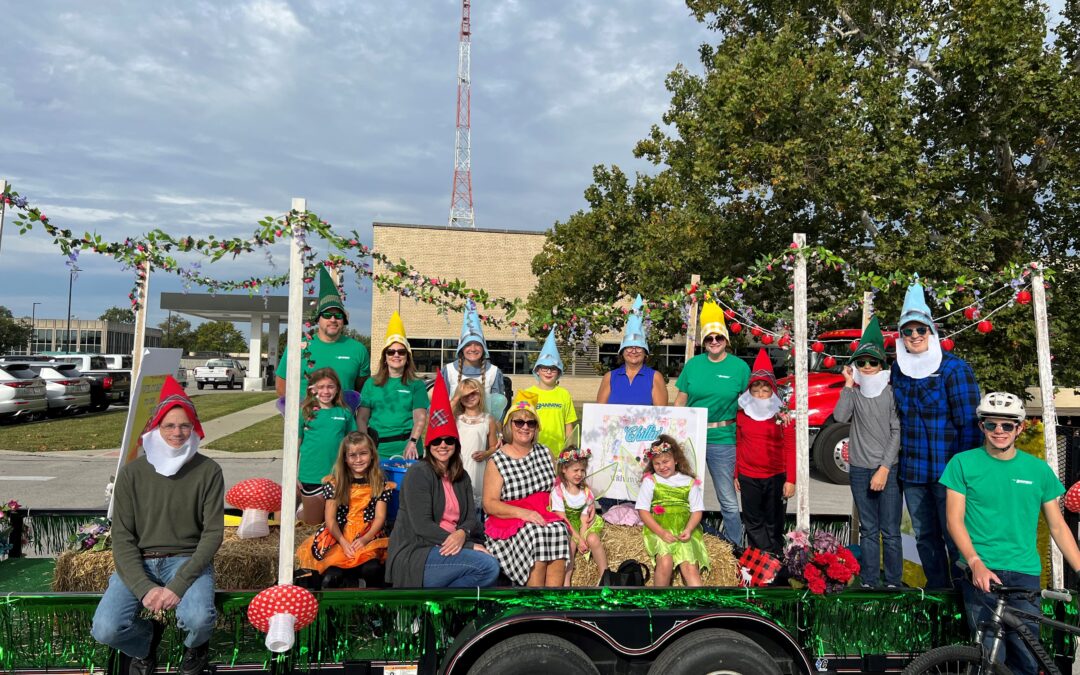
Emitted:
pixel 714 379
pixel 394 402
pixel 435 542
pixel 530 541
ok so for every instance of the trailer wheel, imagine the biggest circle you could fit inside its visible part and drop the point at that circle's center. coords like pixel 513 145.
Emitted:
pixel 200 385
pixel 534 654
pixel 829 453
pixel 714 650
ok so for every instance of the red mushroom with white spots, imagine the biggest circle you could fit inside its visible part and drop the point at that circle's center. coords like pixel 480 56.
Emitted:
pixel 1072 498
pixel 280 611
pixel 258 497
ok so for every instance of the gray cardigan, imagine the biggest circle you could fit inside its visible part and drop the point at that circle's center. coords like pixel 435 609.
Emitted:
pixel 417 530
pixel 875 427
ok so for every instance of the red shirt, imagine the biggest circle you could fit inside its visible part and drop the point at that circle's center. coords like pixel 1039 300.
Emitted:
pixel 764 449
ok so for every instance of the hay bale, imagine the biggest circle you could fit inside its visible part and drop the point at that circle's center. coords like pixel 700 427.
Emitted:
pixel 624 542
pixel 240 564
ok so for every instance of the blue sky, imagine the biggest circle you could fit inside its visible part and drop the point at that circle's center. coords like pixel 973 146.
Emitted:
pixel 202 117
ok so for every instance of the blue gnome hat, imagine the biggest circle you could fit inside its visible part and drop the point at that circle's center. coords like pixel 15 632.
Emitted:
pixel 549 355
pixel 472 330
pixel 915 307
pixel 634 331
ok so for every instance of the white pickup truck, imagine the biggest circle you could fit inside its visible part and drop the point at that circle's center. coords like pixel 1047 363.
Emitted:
pixel 228 372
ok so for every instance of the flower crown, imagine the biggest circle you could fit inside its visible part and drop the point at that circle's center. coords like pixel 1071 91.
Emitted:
pixel 657 449
pixel 573 454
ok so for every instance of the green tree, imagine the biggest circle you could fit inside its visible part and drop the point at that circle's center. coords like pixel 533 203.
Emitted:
pixel 933 137
pixel 13 333
pixel 217 336
pixel 177 332
pixel 118 314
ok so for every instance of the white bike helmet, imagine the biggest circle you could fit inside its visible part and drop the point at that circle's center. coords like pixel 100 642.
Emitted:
pixel 1001 404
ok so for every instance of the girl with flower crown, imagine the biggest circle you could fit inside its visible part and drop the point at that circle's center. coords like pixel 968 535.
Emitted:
pixel 670 502
pixel 573 498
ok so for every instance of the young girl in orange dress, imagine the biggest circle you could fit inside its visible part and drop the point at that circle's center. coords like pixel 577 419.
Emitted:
pixel 356 497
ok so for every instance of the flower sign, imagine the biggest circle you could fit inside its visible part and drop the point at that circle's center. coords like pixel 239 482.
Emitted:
pixel 94 535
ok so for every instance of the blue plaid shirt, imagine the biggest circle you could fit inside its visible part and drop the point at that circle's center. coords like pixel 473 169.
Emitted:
pixel 937 418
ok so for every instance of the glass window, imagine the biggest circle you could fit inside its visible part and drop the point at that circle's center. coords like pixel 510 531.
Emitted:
pixel 426 360
pixel 90 341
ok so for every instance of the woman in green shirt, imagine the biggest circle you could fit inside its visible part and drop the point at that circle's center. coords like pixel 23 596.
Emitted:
pixel 394 402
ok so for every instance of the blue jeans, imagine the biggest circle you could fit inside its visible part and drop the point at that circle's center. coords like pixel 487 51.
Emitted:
pixel 879 516
pixel 926 506
pixel 720 458
pixel 117 623
pixel 979 605
pixel 466 569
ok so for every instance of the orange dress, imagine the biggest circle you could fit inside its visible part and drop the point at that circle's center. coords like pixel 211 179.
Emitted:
pixel 321 551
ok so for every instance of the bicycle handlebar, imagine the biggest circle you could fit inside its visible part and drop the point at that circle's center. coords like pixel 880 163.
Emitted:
pixel 1057 594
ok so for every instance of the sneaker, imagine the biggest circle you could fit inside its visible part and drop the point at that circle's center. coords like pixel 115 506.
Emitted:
pixel 143 666
pixel 195 659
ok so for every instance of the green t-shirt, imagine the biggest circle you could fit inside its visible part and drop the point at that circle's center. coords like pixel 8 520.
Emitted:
pixel 392 407
pixel 555 408
pixel 321 440
pixel 716 386
pixel 348 357
pixel 1003 499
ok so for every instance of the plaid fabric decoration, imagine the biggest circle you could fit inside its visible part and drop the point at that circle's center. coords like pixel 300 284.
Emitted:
pixel 758 567
pixel 937 418
pixel 439 418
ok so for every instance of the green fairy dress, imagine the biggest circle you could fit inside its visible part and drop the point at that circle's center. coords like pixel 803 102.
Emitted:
pixel 671 509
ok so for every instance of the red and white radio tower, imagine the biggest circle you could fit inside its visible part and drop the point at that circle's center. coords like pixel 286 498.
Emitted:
pixel 461 207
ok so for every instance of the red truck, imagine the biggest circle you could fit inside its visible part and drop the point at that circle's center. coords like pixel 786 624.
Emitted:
pixel 829 438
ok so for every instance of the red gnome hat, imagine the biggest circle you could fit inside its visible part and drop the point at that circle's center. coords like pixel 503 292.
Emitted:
pixel 172 395
pixel 441 420
pixel 763 370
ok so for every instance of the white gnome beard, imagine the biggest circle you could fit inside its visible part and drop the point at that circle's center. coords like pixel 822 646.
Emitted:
pixel 760 409
pixel 166 459
pixel 919 366
pixel 871 386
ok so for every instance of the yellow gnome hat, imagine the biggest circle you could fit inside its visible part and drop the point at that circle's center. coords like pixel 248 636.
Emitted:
pixel 712 321
pixel 524 400
pixel 395 332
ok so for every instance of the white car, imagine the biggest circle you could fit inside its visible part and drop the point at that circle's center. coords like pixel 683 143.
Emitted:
pixel 22 392
pixel 66 389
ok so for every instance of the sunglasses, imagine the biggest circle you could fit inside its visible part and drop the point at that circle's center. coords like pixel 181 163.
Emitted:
pixel 444 440
pixel 867 363
pixel 714 338
pixel 1007 427
pixel 921 330
pixel 337 316
pixel 397 352
pixel 524 424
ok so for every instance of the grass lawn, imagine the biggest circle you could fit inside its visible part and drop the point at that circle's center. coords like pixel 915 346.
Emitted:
pixel 265 435
pixel 104 430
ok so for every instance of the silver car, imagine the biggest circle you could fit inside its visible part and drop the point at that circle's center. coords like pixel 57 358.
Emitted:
pixel 22 392
pixel 66 389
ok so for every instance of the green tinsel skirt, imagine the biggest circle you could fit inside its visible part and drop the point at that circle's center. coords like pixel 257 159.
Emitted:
pixel 674 520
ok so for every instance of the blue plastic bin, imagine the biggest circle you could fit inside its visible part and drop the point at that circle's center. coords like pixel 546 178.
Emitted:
pixel 394 470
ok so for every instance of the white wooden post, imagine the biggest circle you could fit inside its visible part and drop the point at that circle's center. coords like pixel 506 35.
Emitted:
pixel 1049 413
pixel 3 207
pixel 802 400
pixel 289 461
pixel 691 322
pixel 140 323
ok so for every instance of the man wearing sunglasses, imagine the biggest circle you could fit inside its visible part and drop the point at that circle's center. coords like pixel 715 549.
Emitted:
pixel 331 347
pixel 995 494
pixel 936 397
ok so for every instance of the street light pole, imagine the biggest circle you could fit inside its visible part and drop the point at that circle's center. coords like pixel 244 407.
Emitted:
pixel 33 329
pixel 71 281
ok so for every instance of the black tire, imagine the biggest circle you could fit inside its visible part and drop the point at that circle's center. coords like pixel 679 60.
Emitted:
pixel 200 385
pixel 828 458
pixel 713 650
pixel 955 660
pixel 533 654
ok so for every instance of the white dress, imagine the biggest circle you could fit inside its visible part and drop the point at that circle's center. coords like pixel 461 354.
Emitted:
pixel 474 438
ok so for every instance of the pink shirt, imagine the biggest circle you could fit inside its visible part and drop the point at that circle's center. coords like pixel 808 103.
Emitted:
pixel 452 511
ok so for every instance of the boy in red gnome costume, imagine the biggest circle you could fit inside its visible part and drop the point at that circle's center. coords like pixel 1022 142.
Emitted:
pixel 168 522
pixel 765 458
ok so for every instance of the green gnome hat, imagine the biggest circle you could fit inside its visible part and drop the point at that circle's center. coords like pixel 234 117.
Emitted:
pixel 872 342
pixel 329 297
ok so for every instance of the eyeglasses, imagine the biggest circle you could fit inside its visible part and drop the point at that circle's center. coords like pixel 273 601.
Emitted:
pixel 634 349
pixel 444 440
pixel 921 330
pixel 1007 427
pixel 714 338
pixel 337 316
pixel 172 428
pixel 548 368
pixel 524 424
pixel 867 363
pixel 397 352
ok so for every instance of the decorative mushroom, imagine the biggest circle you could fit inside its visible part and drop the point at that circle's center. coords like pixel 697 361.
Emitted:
pixel 280 611
pixel 1072 498
pixel 257 497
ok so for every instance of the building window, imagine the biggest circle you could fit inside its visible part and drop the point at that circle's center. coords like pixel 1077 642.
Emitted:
pixel 431 354
pixel 90 341
pixel 668 359
pixel 42 340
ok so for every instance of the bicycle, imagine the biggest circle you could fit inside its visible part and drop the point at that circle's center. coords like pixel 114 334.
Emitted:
pixel 979 658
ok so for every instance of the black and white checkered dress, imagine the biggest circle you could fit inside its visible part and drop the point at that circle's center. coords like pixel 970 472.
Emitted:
pixel 521 478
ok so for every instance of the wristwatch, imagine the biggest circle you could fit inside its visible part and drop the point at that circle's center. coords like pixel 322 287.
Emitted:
pixel 414 440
